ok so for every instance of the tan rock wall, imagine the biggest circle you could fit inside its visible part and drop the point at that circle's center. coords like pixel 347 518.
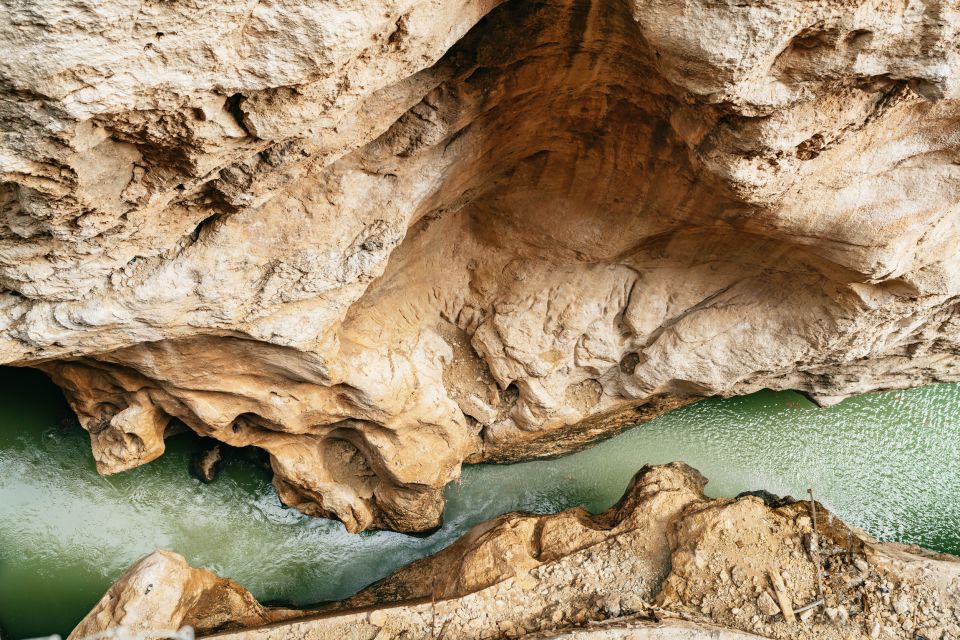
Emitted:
pixel 663 555
pixel 378 239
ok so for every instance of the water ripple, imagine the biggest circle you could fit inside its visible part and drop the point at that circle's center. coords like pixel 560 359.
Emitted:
pixel 886 463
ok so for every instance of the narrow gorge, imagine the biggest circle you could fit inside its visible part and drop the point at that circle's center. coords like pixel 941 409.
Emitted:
pixel 381 241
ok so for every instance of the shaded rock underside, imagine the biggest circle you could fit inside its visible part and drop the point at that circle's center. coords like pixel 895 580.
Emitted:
pixel 379 239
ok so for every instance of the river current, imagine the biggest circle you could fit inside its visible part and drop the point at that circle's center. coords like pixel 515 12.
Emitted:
pixel 885 462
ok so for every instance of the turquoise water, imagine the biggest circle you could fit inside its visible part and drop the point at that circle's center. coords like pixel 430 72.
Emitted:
pixel 886 462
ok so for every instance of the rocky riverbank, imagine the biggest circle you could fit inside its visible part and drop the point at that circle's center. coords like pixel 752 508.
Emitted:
pixel 665 562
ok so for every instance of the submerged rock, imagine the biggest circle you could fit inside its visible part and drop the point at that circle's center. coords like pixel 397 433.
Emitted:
pixel 664 556
pixel 381 238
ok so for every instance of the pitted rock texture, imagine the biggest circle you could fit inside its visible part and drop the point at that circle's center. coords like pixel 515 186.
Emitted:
pixel 162 593
pixel 379 239
pixel 665 562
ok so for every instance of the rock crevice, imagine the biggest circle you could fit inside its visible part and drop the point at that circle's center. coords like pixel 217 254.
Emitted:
pixel 438 232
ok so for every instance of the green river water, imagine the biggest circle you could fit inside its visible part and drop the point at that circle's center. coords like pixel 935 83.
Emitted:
pixel 886 462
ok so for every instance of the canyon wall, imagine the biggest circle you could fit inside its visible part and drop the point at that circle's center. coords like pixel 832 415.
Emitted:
pixel 161 593
pixel 379 239
pixel 665 562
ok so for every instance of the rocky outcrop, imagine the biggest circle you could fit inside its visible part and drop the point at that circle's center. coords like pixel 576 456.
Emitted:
pixel 665 562
pixel 378 239
pixel 162 593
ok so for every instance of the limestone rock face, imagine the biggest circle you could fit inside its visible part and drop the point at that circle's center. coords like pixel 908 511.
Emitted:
pixel 162 593
pixel 513 545
pixel 663 555
pixel 378 239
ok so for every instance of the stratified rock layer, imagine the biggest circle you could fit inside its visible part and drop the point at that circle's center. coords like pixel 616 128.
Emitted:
pixel 378 239
pixel 665 562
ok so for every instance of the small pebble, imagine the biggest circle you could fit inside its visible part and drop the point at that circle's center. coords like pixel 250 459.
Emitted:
pixel 901 605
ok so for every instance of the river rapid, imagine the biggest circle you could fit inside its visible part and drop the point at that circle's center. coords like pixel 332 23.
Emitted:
pixel 884 462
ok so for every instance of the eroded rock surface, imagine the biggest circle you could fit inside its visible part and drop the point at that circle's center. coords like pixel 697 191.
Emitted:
pixel 665 562
pixel 162 593
pixel 378 239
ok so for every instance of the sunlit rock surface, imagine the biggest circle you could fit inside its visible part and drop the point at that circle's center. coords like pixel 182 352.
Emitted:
pixel 162 593
pixel 377 239
pixel 663 555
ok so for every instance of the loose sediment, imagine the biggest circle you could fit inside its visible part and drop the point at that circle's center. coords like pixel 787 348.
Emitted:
pixel 665 562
